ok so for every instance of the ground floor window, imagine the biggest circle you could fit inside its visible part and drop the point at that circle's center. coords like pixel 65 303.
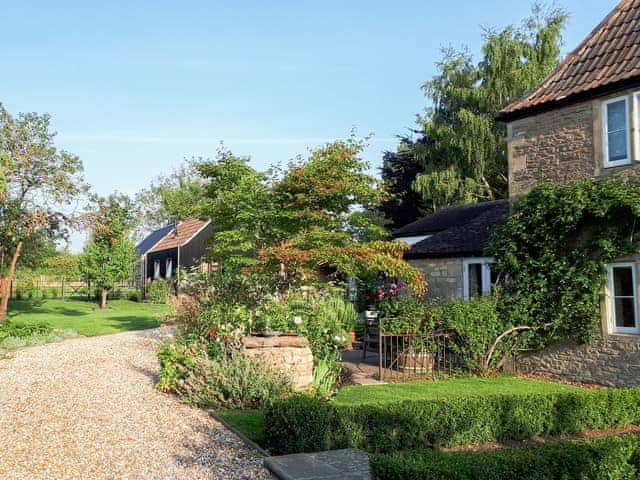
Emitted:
pixel 623 298
pixel 156 269
pixel 477 277
pixel 169 268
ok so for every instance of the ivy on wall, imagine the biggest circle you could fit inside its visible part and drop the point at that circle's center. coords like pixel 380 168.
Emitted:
pixel 554 248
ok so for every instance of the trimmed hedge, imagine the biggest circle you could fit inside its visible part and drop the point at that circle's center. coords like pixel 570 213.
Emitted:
pixel 607 458
pixel 306 424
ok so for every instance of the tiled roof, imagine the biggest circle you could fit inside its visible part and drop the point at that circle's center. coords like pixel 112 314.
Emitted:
pixel 607 60
pixel 150 240
pixel 455 231
pixel 185 232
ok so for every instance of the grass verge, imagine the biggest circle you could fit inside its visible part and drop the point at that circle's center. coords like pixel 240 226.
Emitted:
pixel 83 318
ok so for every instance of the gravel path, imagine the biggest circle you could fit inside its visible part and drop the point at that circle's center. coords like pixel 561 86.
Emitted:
pixel 87 409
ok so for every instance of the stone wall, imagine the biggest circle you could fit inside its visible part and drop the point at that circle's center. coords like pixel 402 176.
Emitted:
pixel 561 145
pixel 443 275
pixel 613 361
pixel 290 354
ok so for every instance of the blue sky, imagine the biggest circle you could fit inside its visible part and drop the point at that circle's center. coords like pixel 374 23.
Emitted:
pixel 135 87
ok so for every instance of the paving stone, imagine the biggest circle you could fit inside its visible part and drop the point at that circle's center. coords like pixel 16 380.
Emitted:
pixel 348 464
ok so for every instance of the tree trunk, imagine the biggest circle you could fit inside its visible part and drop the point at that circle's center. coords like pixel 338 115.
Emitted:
pixel 5 283
pixel 103 299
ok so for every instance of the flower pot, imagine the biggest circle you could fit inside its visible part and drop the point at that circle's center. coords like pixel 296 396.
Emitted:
pixel 270 333
pixel 416 362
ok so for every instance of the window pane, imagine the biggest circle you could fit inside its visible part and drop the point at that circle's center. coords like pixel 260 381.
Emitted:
pixel 622 282
pixel 616 116
pixel 617 145
pixel 625 313
pixel 475 279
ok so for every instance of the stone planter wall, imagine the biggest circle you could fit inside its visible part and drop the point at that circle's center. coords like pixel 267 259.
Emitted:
pixel 290 354
pixel 613 361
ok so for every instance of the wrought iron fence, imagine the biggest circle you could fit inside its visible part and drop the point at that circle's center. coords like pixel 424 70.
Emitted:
pixel 405 356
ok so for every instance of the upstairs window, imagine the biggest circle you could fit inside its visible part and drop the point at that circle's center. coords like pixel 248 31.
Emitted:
pixel 623 301
pixel 477 278
pixel 615 132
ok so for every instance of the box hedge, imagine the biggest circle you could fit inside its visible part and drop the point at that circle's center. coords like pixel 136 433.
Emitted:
pixel 306 424
pixel 607 458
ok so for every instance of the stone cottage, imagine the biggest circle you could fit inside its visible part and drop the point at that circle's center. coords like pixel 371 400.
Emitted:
pixel 583 121
pixel 448 248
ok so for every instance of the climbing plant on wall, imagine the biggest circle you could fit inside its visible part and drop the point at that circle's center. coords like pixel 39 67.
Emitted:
pixel 554 249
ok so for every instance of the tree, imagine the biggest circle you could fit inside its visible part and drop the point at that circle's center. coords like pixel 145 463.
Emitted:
pixel 315 217
pixel 403 204
pixel 110 257
pixel 170 198
pixel 38 185
pixel 461 150
pixel 240 201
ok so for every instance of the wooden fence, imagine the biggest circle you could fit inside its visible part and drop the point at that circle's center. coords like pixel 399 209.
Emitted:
pixel 44 287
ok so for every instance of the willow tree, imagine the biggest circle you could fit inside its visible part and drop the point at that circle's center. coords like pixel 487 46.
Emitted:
pixel 463 152
pixel 38 183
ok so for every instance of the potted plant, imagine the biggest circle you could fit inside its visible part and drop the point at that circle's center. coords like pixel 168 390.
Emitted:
pixel 416 357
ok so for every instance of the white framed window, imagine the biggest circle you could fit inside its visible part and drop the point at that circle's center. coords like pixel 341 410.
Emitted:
pixel 623 298
pixel 477 277
pixel 156 269
pixel 169 268
pixel 616 144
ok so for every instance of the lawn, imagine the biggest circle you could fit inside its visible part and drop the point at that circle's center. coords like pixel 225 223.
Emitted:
pixel 83 317
pixel 447 388
pixel 249 422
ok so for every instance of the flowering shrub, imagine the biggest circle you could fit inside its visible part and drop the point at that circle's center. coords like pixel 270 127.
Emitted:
pixel 159 291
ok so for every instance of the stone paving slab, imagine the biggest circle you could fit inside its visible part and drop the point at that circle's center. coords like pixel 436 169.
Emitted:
pixel 349 464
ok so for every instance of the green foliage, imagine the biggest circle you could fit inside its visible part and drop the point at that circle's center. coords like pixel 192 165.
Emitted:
pixel 476 324
pixel 460 147
pixel 64 265
pixel 20 329
pixel 241 201
pixel 159 290
pixel 325 377
pixel 37 185
pixel 225 379
pixel 169 198
pixel 554 248
pixel 110 256
pixel 304 424
pixel 607 458
pixel 177 361
pixel 402 311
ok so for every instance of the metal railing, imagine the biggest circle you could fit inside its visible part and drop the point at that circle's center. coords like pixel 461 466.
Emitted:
pixel 416 355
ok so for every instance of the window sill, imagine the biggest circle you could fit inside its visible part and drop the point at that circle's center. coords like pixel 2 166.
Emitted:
pixel 623 337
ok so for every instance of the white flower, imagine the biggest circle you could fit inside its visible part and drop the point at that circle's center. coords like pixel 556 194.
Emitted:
pixel 297 320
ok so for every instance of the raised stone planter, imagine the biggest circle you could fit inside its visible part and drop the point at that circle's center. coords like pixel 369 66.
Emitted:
pixel 288 353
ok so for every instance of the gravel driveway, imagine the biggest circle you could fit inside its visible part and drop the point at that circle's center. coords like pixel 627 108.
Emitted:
pixel 87 409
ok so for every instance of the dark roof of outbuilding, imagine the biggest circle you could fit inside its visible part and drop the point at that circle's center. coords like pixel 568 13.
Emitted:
pixel 455 231
pixel 150 240
pixel 607 60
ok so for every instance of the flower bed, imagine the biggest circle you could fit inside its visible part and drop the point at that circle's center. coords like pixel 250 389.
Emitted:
pixel 616 457
pixel 305 424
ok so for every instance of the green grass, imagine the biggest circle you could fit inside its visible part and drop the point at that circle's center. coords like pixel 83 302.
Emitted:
pixel 447 388
pixel 83 317
pixel 249 422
